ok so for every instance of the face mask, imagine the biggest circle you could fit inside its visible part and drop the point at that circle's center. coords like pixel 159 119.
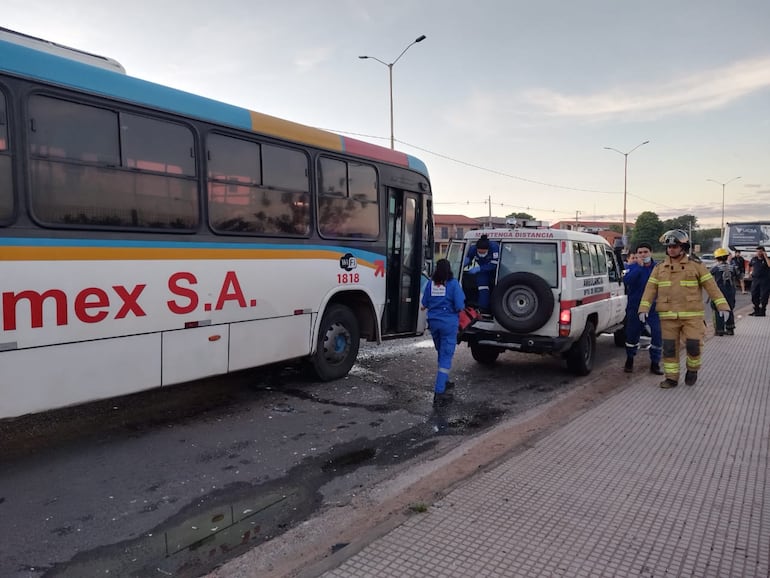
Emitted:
pixel 646 259
pixel 482 254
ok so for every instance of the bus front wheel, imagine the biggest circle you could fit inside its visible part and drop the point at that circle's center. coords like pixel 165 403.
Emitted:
pixel 337 346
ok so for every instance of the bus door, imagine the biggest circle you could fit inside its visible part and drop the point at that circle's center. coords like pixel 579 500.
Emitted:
pixel 404 262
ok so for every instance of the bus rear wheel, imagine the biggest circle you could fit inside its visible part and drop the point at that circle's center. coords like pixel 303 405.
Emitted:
pixel 337 346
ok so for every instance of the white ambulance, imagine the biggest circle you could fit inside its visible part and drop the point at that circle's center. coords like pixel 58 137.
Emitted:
pixel 554 291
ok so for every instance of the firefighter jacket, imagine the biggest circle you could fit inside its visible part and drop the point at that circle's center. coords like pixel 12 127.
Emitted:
pixel 675 288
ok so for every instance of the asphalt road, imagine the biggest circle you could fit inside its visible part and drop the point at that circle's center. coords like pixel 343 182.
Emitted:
pixel 178 481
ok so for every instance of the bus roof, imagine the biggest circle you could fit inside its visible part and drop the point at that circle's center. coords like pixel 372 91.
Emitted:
pixel 59 49
pixel 20 59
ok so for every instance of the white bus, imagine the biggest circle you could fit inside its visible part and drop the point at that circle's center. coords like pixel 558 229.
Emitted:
pixel 746 237
pixel 149 236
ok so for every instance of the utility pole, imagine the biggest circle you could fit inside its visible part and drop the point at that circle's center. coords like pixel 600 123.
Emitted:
pixel 489 202
pixel 576 219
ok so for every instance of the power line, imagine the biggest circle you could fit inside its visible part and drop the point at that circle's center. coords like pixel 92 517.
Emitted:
pixel 507 175
pixel 475 166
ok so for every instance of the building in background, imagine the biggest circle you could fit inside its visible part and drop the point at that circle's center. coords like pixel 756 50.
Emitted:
pixel 448 227
pixel 597 227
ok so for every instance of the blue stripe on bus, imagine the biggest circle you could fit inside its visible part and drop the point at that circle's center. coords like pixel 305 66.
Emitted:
pixel 417 165
pixel 50 242
pixel 65 72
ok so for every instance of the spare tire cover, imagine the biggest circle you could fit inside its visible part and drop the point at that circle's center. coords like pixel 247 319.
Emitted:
pixel 522 302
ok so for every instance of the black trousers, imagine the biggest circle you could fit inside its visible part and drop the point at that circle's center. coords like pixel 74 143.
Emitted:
pixel 760 292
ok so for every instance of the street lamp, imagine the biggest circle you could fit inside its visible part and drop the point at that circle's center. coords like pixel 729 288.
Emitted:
pixel 390 77
pixel 722 228
pixel 625 183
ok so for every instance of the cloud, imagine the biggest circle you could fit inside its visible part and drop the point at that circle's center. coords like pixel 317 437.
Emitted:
pixel 698 92
pixel 310 58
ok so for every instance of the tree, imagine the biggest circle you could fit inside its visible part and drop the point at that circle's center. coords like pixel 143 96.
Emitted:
pixel 648 228
pixel 684 222
pixel 708 239
pixel 523 216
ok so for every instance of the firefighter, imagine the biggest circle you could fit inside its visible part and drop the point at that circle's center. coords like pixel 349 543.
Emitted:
pixel 675 286
pixel 726 276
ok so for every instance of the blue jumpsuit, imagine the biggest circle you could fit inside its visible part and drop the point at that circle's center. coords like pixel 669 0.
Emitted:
pixel 635 280
pixel 487 268
pixel 444 303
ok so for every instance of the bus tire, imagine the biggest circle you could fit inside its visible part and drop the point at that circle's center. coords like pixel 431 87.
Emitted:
pixel 337 345
pixel 580 357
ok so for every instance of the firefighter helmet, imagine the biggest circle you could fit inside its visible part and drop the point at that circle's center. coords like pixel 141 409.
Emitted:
pixel 721 252
pixel 674 237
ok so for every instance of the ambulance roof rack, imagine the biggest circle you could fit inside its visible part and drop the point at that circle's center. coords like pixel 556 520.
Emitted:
pixel 60 50
pixel 514 223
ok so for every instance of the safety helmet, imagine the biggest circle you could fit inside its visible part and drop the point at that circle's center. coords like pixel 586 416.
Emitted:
pixel 721 252
pixel 675 237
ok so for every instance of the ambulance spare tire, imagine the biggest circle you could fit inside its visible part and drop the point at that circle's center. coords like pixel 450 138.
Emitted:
pixel 522 302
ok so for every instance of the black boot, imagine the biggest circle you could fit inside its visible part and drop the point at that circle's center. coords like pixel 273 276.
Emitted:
pixel 755 313
pixel 761 312
pixel 668 383
pixel 655 368
pixel 629 366
pixel 690 377
pixel 730 331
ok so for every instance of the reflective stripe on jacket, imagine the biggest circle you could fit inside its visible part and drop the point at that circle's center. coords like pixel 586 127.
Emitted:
pixel 675 287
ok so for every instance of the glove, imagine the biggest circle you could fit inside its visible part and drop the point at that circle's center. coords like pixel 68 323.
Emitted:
pixel 474 270
pixel 643 318
pixel 725 315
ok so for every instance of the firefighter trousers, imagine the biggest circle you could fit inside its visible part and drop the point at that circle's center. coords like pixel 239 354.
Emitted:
pixel 690 330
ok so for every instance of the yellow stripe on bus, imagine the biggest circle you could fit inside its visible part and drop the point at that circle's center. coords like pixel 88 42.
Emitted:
pixel 271 125
pixel 145 254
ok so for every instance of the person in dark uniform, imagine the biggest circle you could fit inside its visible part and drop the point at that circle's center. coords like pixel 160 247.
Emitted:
pixel 482 262
pixel 635 280
pixel 444 299
pixel 760 281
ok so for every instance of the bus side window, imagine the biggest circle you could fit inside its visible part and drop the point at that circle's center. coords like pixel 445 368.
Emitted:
pixel 92 166
pixel 6 185
pixel 348 203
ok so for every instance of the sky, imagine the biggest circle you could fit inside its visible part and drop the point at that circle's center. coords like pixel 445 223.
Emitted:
pixel 510 103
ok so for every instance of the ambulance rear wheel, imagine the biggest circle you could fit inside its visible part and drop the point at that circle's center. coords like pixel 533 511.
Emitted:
pixel 485 354
pixel 337 346
pixel 580 357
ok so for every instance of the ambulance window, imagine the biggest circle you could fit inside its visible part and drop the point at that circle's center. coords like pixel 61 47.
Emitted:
pixel 598 261
pixel 582 259
pixel 537 258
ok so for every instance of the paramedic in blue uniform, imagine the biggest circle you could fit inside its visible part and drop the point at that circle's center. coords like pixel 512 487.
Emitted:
pixel 482 260
pixel 635 280
pixel 444 299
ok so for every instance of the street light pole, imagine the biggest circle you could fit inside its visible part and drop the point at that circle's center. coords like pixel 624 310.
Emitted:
pixel 390 79
pixel 722 228
pixel 625 183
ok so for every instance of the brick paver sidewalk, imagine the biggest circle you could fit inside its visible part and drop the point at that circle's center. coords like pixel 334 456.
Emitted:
pixel 650 482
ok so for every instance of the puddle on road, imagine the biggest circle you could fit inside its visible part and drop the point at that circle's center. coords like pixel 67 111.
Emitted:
pixel 232 520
